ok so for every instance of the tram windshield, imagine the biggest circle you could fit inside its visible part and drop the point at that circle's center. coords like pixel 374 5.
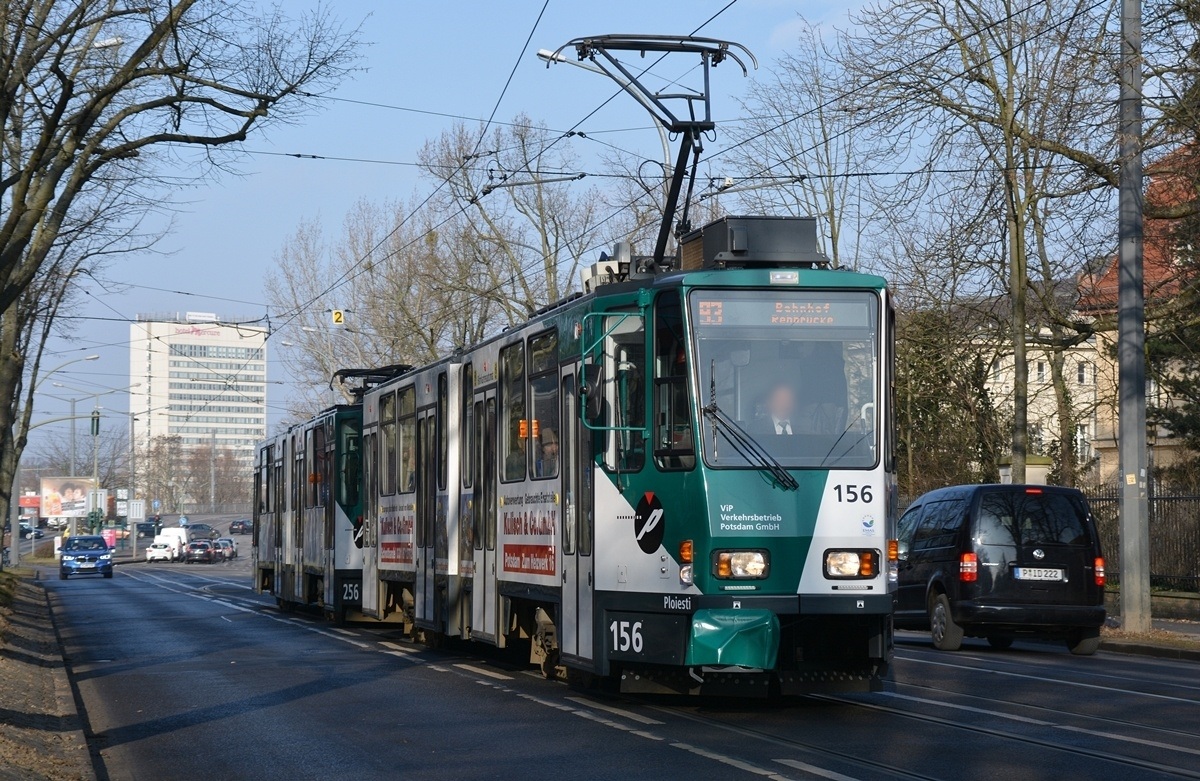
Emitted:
pixel 797 370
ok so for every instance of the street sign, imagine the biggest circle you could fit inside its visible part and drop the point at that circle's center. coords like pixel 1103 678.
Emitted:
pixel 338 317
pixel 122 494
pixel 97 499
pixel 137 509
pixel 156 505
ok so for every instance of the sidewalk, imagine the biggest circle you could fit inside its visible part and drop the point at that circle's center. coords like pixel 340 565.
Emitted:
pixel 41 734
pixel 1169 639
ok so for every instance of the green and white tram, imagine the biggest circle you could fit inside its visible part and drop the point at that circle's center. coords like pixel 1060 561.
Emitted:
pixel 681 480
pixel 307 544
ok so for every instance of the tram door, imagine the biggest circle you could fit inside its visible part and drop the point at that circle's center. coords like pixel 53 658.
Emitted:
pixel 484 597
pixel 370 530
pixel 575 630
pixel 426 495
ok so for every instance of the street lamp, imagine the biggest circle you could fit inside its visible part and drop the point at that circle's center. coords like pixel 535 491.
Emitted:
pixel 14 503
pixel 95 421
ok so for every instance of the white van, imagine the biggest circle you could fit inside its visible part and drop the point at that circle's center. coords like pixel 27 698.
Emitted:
pixel 177 539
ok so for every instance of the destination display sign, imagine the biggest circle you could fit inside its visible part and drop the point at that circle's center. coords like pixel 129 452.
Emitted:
pixel 769 312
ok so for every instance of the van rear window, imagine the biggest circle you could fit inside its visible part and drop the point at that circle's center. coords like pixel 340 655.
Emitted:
pixel 1020 519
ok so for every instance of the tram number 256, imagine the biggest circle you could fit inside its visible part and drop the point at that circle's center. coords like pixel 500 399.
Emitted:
pixel 351 592
pixel 626 636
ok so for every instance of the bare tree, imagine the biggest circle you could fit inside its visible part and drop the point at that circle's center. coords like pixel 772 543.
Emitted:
pixel 805 148
pixel 401 282
pixel 1019 98
pixel 104 106
pixel 532 230
pixel 502 235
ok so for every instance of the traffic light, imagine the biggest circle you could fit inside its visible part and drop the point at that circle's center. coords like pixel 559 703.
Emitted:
pixel 95 519
pixel 95 423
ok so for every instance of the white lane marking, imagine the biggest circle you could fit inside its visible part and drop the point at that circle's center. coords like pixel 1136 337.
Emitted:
pixel 1041 723
pixel 348 632
pixel 640 719
pixel 816 771
pixel 399 655
pixel 396 647
pixel 739 764
pixel 226 618
pixel 1044 679
pixel 439 668
pixel 482 671
pixel 1051 663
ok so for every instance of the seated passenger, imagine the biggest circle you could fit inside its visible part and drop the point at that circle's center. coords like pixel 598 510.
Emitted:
pixel 547 465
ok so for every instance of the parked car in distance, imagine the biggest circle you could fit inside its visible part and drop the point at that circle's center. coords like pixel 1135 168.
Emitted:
pixel 160 551
pixel 27 530
pixel 241 527
pixel 1001 561
pixel 202 531
pixel 175 546
pixel 200 551
pixel 85 554
pixel 228 547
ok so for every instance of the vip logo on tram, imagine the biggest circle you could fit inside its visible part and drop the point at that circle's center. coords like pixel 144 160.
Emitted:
pixel 648 525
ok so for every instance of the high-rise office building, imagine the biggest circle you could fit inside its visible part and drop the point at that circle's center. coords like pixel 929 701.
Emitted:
pixel 200 380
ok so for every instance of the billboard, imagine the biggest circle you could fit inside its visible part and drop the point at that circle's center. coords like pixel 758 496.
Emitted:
pixel 65 497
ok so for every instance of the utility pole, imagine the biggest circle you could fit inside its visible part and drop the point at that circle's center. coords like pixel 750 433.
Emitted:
pixel 131 525
pixel 73 456
pixel 1131 336
pixel 95 452
pixel 212 472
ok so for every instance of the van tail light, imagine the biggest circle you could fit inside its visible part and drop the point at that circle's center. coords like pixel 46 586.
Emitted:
pixel 968 568
pixel 893 550
pixel 1099 571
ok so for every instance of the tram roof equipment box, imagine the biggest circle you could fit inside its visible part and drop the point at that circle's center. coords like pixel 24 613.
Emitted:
pixel 733 242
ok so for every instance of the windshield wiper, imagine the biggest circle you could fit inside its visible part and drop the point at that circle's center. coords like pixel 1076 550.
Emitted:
pixel 743 443
pixel 846 431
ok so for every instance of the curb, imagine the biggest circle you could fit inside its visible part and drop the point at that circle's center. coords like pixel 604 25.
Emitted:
pixel 1146 649
pixel 64 691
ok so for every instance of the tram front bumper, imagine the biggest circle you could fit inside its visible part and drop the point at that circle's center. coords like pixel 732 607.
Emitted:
pixel 745 638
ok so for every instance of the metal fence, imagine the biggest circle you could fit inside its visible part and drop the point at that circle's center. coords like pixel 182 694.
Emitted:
pixel 1174 538
pixel 204 508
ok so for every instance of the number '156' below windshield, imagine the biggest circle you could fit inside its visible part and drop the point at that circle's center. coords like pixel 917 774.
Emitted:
pixel 797 370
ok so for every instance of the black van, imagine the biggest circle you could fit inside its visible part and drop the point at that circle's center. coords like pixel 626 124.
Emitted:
pixel 998 561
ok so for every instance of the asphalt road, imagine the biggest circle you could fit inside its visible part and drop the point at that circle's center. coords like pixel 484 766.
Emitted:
pixel 183 672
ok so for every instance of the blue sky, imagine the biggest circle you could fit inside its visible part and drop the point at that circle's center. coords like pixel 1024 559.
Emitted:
pixel 450 57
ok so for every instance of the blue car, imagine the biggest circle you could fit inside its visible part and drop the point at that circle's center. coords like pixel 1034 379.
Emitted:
pixel 86 555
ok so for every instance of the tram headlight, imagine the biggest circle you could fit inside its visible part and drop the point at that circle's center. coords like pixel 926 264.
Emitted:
pixel 741 564
pixel 851 563
pixel 685 574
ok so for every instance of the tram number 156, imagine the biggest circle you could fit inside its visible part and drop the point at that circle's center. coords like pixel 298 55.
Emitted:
pixel 626 636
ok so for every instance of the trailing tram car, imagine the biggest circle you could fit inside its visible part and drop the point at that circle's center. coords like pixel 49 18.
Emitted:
pixel 681 480
pixel 307 539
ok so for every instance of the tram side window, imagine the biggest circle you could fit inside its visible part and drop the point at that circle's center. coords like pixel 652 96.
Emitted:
pixel 407 412
pixel 387 426
pixel 319 481
pixel 276 497
pixel 674 447
pixel 514 425
pixel 443 439
pixel 489 474
pixel 350 468
pixel 468 427
pixel 406 446
pixel 299 476
pixel 625 392
pixel 543 384
pixel 264 480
